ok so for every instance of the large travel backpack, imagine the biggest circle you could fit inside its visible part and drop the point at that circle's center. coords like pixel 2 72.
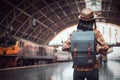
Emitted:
pixel 83 48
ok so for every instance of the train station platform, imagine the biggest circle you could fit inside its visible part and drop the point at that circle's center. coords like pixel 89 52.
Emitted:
pixel 57 71
pixel 62 71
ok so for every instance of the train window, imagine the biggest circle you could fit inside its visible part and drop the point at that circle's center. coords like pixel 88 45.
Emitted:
pixel 10 41
pixel 21 44
pixel 2 41
pixel 7 41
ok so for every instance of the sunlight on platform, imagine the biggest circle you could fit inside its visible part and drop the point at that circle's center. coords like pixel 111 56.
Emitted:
pixel 115 55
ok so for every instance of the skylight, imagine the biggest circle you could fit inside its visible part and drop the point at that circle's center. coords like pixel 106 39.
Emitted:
pixel 93 4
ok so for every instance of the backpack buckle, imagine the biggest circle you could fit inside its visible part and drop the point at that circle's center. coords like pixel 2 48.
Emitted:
pixel 89 48
pixel 75 50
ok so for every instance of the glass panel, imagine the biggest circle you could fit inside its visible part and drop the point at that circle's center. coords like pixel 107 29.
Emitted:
pixel 93 4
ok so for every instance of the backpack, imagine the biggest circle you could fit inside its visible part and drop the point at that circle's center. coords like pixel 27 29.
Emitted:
pixel 83 48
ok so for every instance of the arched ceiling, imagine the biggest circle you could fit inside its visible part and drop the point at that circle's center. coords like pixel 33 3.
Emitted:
pixel 40 20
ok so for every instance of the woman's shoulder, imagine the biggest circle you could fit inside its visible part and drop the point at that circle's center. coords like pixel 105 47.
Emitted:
pixel 73 32
pixel 96 31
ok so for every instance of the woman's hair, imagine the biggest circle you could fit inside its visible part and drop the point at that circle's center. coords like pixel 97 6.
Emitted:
pixel 86 25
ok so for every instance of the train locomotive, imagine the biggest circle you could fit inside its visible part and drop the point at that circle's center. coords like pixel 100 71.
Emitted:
pixel 19 52
pixel 8 51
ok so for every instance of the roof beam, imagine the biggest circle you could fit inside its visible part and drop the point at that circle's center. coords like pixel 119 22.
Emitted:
pixel 29 16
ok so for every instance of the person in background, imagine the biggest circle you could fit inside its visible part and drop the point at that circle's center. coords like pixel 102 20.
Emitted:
pixel 90 73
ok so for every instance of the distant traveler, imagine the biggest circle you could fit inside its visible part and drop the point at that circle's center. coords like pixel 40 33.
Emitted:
pixel 85 44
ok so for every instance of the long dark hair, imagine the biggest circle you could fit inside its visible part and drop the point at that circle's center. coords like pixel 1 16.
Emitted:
pixel 86 25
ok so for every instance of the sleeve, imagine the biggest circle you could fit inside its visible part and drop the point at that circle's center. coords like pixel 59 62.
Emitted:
pixel 102 47
pixel 66 44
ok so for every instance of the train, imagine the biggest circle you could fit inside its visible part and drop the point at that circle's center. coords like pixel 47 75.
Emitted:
pixel 15 51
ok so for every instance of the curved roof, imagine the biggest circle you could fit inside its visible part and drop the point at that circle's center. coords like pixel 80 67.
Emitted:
pixel 40 20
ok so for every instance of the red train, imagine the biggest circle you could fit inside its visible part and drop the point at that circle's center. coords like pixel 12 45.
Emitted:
pixel 20 52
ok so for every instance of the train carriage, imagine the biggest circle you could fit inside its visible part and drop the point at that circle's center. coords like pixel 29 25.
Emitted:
pixel 19 52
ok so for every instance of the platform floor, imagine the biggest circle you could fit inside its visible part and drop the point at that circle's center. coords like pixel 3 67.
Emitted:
pixel 57 71
pixel 62 71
